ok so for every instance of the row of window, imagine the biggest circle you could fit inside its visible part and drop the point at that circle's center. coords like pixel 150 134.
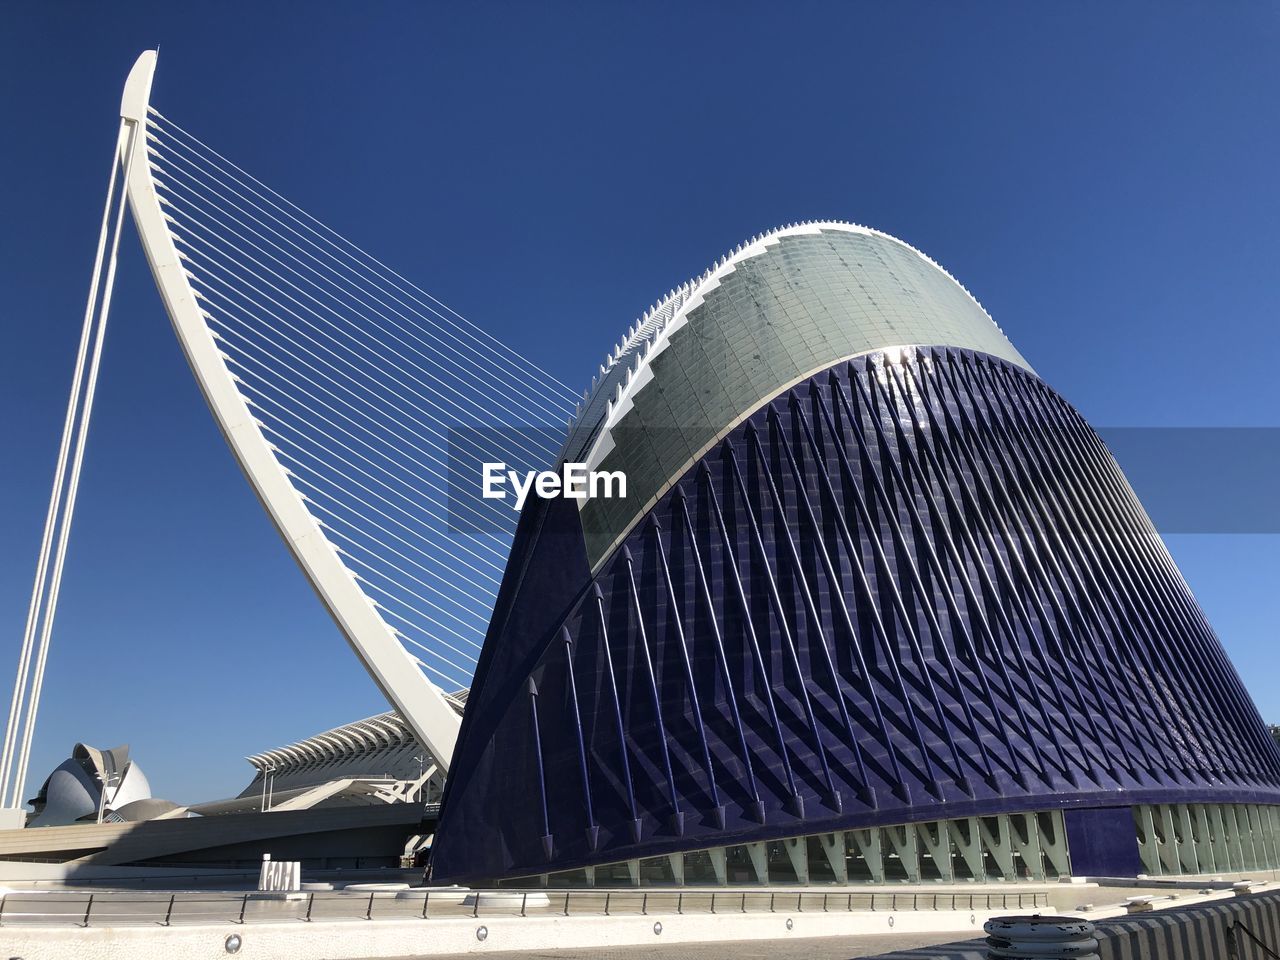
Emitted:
pixel 1020 846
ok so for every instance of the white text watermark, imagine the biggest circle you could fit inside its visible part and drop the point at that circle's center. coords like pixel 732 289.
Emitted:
pixel 574 481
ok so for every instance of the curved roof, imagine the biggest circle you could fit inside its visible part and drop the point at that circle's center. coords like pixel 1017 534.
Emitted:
pixel 382 732
pixel 776 310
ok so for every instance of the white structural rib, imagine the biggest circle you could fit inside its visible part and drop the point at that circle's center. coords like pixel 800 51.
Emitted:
pixel 418 701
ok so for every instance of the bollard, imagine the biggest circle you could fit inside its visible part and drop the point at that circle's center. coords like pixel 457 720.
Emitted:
pixel 1040 938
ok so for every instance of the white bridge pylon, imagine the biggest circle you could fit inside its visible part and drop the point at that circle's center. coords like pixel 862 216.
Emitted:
pixel 342 390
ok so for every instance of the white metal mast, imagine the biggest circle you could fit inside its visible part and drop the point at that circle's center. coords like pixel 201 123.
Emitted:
pixel 15 755
pixel 422 705
pixel 420 702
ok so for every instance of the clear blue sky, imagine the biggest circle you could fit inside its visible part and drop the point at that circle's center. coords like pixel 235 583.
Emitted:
pixel 1101 176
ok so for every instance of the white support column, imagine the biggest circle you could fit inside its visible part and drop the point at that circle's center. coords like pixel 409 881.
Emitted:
pixel 1188 850
pixel 967 836
pixel 1053 841
pixel 868 844
pixel 798 853
pixel 759 854
pixel 720 865
pixel 1267 814
pixel 677 867
pixel 13 729
pixel 15 757
pixel 907 846
pixel 1206 851
pixel 997 842
pixel 1168 840
pixel 1025 833
pixel 1224 852
pixel 937 843
pixel 1244 831
pixel 833 847
pixel 1148 840
pixel 1234 841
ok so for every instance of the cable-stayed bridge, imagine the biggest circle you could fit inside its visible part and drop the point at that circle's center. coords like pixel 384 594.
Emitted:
pixel 348 396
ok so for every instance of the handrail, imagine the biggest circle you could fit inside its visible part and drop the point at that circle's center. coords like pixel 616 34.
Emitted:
pixel 170 908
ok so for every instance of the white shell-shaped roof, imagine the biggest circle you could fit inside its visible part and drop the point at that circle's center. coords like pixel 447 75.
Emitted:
pixel 774 311
pixel 386 731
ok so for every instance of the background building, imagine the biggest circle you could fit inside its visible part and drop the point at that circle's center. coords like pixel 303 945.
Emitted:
pixel 878 601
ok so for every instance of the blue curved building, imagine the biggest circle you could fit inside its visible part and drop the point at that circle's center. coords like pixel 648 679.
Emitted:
pixel 878 603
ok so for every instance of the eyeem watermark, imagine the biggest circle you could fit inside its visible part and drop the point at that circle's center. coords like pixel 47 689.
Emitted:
pixel 574 482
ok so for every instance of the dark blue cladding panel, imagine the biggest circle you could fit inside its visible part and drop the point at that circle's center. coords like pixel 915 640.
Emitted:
pixel 905 589
pixel 1103 842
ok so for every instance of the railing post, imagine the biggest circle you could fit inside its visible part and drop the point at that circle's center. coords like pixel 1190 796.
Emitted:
pixel 744 902
pixel 771 896
pixel 680 903
pixel 566 903
pixel 713 903
pixel 311 902
pixel 799 903
pixel 426 898
pixel 88 907
pixel 524 902
pixel 824 903
pixel 606 903
pixel 3 898
pixel 644 906
pixel 168 914
pixel 243 905
pixel 475 905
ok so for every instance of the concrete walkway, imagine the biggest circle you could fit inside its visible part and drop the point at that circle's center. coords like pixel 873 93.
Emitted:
pixel 802 948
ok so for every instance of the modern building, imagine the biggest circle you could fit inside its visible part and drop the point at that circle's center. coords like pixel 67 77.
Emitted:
pixel 368 762
pixel 363 795
pixel 95 785
pixel 878 603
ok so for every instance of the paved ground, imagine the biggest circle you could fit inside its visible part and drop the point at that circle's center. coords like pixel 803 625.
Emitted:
pixel 810 948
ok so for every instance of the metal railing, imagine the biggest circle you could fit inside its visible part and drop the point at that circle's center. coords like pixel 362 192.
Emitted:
pixel 113 908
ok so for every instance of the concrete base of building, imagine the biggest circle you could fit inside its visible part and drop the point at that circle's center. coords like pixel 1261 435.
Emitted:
pixel 322 838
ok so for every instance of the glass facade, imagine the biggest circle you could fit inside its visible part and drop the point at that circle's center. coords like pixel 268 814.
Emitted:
pixel 1199 838
pixel 1005 847
pixel 810 299
pixel 1173 839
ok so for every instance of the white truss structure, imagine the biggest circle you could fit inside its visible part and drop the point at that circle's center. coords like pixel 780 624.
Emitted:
pixel 345 393
pixel 397 676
